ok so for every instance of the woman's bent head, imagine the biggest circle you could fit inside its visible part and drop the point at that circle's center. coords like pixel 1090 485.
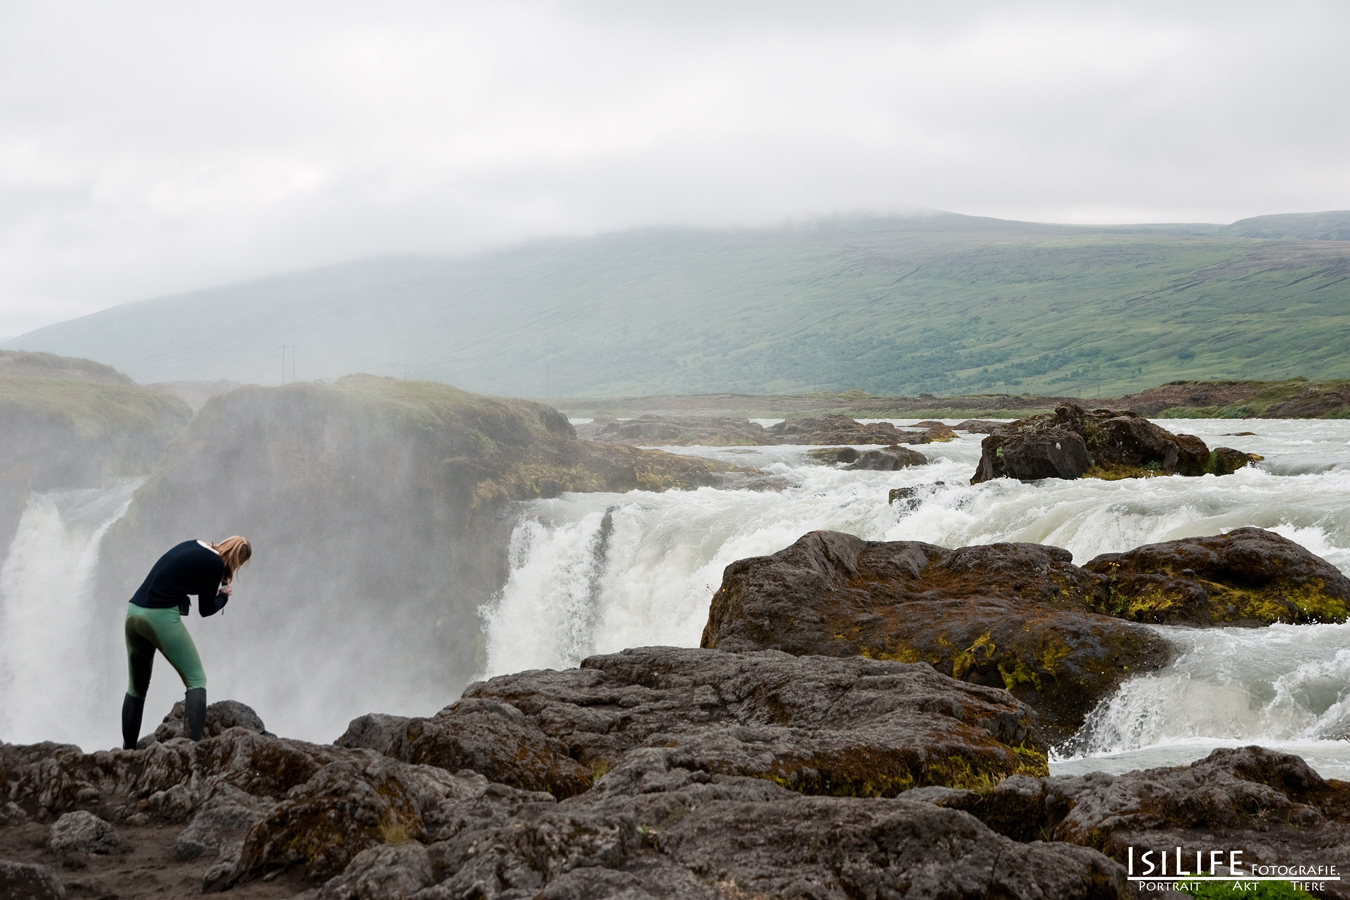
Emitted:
pixel 235 551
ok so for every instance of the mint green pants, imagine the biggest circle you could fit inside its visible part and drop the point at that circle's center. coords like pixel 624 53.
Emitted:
pixel 149 630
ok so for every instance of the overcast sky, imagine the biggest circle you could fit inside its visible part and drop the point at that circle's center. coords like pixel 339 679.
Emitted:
pixel 154 147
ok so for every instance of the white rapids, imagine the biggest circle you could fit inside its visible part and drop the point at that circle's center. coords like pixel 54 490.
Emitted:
pixel 594 573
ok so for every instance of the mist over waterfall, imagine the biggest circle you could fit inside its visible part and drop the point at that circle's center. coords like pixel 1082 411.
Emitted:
pixel 56 658
pixel 594 573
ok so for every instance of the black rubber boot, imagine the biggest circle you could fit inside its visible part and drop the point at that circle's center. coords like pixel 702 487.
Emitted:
pixel 132 707
pixel 194 708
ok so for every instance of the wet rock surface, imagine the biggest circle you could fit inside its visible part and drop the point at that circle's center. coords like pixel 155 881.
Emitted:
pixel 912 497
pixel 888 459
pixel 1248 576
pixel 836 429
pixel 1016 616
pixel 1073 442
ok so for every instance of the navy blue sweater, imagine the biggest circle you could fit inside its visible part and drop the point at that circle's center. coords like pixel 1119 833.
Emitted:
pixel 188 568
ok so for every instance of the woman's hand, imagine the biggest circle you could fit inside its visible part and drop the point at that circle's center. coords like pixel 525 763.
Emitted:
pixel 226 590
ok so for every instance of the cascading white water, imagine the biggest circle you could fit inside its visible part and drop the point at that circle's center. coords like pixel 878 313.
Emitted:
pixel 53 660
pixel 1287 686
pixel 650 580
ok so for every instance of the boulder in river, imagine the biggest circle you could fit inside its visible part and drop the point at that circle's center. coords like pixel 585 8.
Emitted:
pixel 1015 616
pixel 887 459
pixel 1073 442
pixel 839 429
pixel 1248 576
pixel 1019 616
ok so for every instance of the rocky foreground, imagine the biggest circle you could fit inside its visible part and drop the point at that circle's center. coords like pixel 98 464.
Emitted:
pixel 656 773
pixel 897 749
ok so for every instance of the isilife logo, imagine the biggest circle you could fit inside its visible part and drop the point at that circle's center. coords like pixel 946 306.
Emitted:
pixel 1177 869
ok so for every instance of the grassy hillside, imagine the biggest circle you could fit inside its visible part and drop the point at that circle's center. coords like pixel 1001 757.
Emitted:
pixel 72 423
pixel 939 304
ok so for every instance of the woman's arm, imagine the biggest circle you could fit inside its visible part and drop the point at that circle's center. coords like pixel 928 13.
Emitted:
pixel 212 595
pixel 208 605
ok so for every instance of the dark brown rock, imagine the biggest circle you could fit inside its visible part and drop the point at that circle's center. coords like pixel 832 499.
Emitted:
pixel 220 824
pixel 373 731
pixel 1014 616
pixel 1027 456
pixel 220 716
pixel 1193 457
pixel 889 459
pixel 837 429
pixel 729 836
pixel 910 498
pixel 496 740
pixel 1226 460
pixel 852 727
pixel 381 871
pixel 1246 577
pixel 348 806
pixel 1270 805
pixel 1073 442
pixel 834 455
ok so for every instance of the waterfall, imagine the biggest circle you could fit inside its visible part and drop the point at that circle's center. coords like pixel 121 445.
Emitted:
pixel 578 586
pixel 55 664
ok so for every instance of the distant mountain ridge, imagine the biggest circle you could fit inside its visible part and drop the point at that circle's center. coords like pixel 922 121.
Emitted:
pixel 937 303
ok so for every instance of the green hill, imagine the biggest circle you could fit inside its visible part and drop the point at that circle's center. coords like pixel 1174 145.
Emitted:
pixel 939 303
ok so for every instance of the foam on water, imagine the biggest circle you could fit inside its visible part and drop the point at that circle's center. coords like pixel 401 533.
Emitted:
pixel 1284 687
pixel 649 580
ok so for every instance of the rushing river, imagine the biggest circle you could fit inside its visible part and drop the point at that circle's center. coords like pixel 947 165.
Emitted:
pixel 594 573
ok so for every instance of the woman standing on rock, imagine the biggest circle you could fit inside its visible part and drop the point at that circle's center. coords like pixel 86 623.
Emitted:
pixel 154 622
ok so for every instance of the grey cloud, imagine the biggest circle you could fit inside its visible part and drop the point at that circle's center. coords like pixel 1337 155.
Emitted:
pixel 153 147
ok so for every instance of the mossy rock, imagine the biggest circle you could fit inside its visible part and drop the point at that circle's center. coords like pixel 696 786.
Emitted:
pixel 1109 444
pixel 1018 617
pixel 1246 577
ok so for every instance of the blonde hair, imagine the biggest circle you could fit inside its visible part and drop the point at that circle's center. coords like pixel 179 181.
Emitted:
pixel 235 551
